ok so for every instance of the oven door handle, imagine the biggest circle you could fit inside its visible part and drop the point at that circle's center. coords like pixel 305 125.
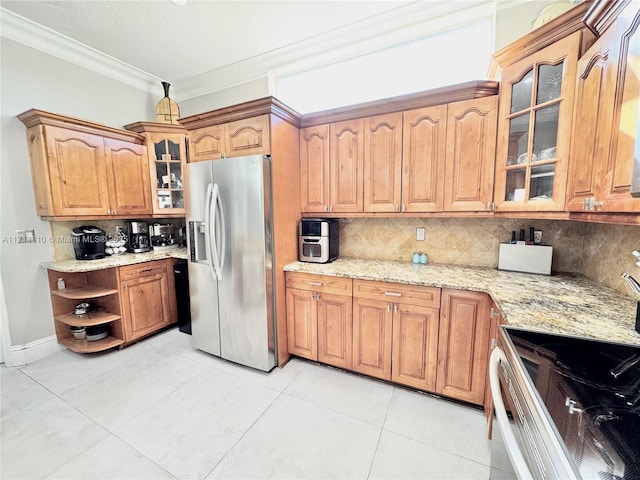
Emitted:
pixel 518 462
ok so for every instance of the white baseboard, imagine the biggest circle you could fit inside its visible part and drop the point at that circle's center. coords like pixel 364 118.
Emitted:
pixel 36 350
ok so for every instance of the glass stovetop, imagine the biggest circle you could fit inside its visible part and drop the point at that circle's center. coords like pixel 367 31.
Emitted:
pixel 591 390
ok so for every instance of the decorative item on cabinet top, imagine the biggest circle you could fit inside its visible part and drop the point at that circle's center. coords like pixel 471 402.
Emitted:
pixel 167 110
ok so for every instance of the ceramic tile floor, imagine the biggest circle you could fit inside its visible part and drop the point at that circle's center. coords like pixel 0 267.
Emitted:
pixel 160 409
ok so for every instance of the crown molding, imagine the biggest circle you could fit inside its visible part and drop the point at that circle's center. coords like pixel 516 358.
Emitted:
pixel 19 29
pixel 404 23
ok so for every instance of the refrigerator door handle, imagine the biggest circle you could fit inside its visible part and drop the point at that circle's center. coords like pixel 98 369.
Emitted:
pixel 209 230
pixel 214 205
pixel 223 233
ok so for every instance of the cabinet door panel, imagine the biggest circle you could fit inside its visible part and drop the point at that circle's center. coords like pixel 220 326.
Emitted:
pixel 314 169
pixel 415 347
pixel 206 143
pixel 249 136
pixel 346 164
pixel 146 305
pixel 471 149
pixel 592 125
pixel 424 147
pixel 302 323
pixel 78 172
pixel 335 330
pixel 534 128
pixel 383 163
pixel 372 322
pixel 626 121
pixel 128 166
pixel 463 345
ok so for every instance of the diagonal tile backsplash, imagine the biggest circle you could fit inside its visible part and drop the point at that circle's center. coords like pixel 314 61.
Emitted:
pixel 601 252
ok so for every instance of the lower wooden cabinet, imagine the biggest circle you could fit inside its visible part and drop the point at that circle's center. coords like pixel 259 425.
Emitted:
pixel 412 335
pixel 319 318
pixel 463 349
pixel 372 325
pixel 147 296
pixel 415 346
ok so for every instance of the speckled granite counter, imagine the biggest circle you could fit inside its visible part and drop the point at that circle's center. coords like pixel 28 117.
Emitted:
pixel 566 303
pixel 72 266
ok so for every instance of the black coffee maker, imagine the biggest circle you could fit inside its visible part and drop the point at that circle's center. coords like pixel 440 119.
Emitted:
pixel 138 237
pixel 89 242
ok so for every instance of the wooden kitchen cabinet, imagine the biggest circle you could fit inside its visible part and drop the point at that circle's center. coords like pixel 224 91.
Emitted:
pixel 167 155
pixel 470 154
pixel 424 150
pixel 534 128
pixel 314 168
pixel 463 349
pixel 395 332
pixel 319 318
pixel 147 295
pixel 606 123
pixel 98 288
pixel 383 163
pixel 248 136
pixel 338 188
pixel 85 170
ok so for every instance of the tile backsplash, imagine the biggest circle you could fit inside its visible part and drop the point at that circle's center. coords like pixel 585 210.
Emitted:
pixel 601 252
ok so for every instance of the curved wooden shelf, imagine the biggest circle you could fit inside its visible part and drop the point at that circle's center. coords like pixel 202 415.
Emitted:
pixel 85 346
pixel 84 292
pixel 87 320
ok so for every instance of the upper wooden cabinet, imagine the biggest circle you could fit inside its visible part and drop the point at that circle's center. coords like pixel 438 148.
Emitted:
pixel 605 132
pixel 383 163
pixel 167 152
pixel 83 169
pixel 331 167
pixel 534 128
pixel 424 149
pixel 249 136
pixel 470 154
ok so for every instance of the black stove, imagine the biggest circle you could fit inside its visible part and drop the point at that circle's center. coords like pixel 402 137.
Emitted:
pixel 591 392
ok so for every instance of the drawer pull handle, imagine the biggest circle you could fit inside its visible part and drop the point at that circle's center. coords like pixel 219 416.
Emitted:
pixel 393 294
pixel 316 284
pixel 146 269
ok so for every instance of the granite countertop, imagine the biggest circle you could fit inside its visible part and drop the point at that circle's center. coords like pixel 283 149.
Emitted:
pixel 564 303
pixel 73 266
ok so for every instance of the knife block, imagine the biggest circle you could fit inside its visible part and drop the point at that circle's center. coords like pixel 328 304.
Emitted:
pixel 525 258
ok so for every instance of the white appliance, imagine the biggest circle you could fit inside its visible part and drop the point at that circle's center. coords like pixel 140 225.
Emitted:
pixel 230 239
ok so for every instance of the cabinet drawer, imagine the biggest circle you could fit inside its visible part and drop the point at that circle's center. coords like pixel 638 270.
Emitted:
pixel 143 269
pixel 320 283
pixel 398 293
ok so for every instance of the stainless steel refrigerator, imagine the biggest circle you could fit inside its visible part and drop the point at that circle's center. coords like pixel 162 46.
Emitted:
pixel 230 238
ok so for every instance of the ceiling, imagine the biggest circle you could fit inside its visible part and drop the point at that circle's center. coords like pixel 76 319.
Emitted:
pixel 208 45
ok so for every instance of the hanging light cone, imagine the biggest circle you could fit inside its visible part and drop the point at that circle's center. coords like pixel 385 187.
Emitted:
pixel 167 111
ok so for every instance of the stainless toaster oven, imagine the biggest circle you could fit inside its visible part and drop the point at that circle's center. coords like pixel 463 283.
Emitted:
pixel 318 240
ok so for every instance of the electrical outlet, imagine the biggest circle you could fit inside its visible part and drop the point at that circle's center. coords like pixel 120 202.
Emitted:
pixel 420 234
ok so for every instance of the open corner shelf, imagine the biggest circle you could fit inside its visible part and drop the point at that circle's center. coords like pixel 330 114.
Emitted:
pixel 81 293
pixel 87 320
pixel 85 346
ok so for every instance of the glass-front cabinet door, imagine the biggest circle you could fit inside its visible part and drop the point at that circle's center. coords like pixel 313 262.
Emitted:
pixel 534 129
pixel 169 155
pixel 167 150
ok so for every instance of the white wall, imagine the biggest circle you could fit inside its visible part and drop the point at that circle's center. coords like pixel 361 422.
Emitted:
pixel 515 21
pixel 32 79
